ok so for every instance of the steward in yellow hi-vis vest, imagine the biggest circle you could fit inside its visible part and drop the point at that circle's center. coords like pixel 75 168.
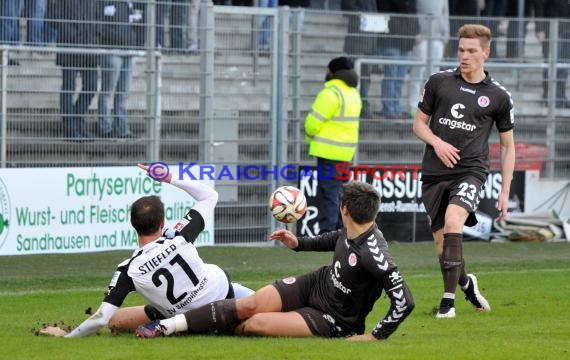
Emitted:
pixel 331 128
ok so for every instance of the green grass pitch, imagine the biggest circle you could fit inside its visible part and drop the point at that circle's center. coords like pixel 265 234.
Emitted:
pixel 527 285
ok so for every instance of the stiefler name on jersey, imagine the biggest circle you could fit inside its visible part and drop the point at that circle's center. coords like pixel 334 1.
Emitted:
pixel 155 261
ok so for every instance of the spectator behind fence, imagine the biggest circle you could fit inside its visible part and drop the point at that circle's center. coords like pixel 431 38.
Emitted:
pixel 300 5
pixel 397 45
pixel 331 132
pixel 177 12
pixel 460 11
pixel 193 21
pixel 77 26
pixel 493 11
pixel 264 25
pixel 35 11
pixel 515 40
pixel 434 34
pixel 118 32
pixel 50 24
pixel 10 12
pixel 555 9
pixel 9 25
pixel 359 43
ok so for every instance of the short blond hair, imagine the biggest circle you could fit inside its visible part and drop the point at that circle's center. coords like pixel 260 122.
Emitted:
pixel 476 31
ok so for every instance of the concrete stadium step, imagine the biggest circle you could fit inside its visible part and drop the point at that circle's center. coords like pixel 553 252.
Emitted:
pixel 174 125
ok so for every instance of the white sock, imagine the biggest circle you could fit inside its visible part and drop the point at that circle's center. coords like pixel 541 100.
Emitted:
pixel 174 324
pixel 448 296
pixel 241 291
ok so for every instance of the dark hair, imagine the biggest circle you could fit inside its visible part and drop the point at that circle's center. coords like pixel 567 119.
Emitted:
pixel 476 31
pixel 362 201
pixel 147 214
pixel 340 63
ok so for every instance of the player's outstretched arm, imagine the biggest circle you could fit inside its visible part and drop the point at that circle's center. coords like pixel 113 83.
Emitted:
pixel 401 305
pixel 53 331
pixel 206 197
pixel 90 326
pixel 286 237
pixel 156 173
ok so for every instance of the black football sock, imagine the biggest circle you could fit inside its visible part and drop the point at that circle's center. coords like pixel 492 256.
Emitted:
pixel 463 279
pixel 452 258
pixel 219 316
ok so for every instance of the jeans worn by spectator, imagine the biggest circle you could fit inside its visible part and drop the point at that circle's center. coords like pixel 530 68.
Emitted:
pixel 116 75
pixel 193 21
pixel 264 24
pixel 393 81
pixel 36 12
pixel 10 11
pixel 74 111
pixel 328 192
pixel 177 10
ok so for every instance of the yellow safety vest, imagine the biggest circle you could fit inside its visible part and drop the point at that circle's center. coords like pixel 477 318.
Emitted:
pixel 331 128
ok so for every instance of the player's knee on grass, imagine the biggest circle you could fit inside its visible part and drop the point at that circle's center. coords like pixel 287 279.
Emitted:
pixel 254 326
pixel 128 319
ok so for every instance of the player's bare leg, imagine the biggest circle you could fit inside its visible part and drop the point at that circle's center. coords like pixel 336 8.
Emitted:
pixel 220 316
pixel 266 299
pixel 289 324
pixel 128 319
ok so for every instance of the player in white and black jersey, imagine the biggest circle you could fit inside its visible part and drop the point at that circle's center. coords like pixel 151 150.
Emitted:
pixel 455 117
pixel 332 301
pixel 166 270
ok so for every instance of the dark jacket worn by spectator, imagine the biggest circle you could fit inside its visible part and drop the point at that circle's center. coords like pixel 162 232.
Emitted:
pixel 358 42
pixel 555 9
pixel 77 26
pixel 403 34
pixel 118 29
pixel 403 25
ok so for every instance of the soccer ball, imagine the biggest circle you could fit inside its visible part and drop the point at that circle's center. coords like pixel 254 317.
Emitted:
pixel 287 204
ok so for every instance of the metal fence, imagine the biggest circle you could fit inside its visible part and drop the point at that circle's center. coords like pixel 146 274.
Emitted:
pixel 238 101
